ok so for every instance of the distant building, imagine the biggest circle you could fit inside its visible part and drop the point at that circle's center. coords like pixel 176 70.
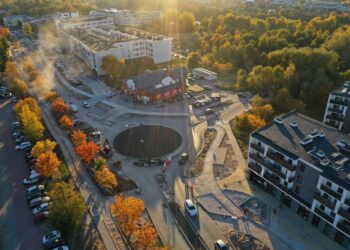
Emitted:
pixel 92 45
pixel 204 73
pixel 128 17
pixel 305 165
pixel 87 22
pixel 337 113
pixel 156 85
pixel 67 15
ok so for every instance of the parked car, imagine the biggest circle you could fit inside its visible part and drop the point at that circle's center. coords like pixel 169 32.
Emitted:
pixel 31 162
pixel 190 208
pixel 41 208
pixel 53 235
pixel 171 100
pixel 41 216
pixel 54 244
pixel 86 105
pixel 23 146
pixel 183 158
pixel 111 94
pixel 209 111
pixel 38 201
pixel 32 179
pixel 36 195
pixel 61 248
pixel 35 189
pixel 15 124
pixel 220 245
pixel 73 108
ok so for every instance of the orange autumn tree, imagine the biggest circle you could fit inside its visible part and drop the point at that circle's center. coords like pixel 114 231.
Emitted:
pixel 145 237
pixel 59 107
pixel 106 179
pixel 4 32
pixel 78 137
pixel 128 210
pixel 87 151
pixel 66 123
pixel 50 96
pixel 47 164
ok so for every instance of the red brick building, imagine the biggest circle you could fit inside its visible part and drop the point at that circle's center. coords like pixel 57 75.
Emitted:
pixel 156 85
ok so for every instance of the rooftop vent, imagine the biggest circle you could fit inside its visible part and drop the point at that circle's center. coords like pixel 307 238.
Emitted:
pixel 324 162
pixel 320 154
pixel 293 124
pixel 314 133
pixel 321 134
pixel 306 140
pixel 342 143
pixel 278 120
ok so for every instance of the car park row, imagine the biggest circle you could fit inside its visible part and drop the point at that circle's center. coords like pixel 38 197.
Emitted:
pixel 36 196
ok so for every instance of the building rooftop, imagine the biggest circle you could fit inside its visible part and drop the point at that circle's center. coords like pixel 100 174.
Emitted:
pixel 298 136
pixel 104 38
pixel 343 91
pixel 155 81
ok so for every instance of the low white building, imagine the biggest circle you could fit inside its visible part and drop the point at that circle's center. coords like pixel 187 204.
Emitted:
pixel 92 45
pixel 88 22
pixel 67 15
pixel 129 17
pixel 205 74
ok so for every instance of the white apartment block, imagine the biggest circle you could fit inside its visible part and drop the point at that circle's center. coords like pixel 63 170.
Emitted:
pixel 128 17
pixel 67 15
pixel 92 45
pixel 88 22
pixel 305 165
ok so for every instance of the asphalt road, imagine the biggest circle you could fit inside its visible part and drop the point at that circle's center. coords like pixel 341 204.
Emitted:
pixel 17 229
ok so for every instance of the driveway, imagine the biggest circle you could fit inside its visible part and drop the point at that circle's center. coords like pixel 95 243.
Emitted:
pixel 17 229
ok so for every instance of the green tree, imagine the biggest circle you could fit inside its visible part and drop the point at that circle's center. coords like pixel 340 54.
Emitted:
pixel 283 102
pixel 31 124
pixel 67 210
pixel 186 22
pixel 193 60
pixel 19 88
pixel 99 163
pixel 28 29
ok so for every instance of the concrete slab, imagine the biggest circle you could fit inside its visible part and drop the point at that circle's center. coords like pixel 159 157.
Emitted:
pixel 220 156
pixel 212 205
pixel 237 197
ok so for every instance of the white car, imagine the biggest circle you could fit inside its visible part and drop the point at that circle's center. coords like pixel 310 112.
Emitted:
pixel 190 208
pixel 86 105
pixel 220 245
pixel 38 201
pixel 41 208
pixel 61 248
pixel 53 235
pixel 110 94
pixel 32 179
pixel 35 189
pixel 23 146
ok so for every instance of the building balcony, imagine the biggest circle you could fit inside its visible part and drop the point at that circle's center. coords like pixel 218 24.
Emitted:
pixel 344 226
pixel 347 202
pixel 257 148
pixel 344 213
pixel 272 178
pixel 281 162
pixel 339 102
pixel 332 124
pixel 336 110
pixel 276 171
pixel 335 117
pixel 324 201
pixel 324 215
pixel 255 167
pixel 330 191
pixel 257 159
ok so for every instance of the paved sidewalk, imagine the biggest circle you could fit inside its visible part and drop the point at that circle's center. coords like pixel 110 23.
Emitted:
pixel 92 196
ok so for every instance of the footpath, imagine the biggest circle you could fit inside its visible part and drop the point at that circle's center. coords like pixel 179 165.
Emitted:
pixel 94 200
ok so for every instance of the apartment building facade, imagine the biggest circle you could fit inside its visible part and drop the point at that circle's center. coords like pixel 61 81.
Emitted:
pixel 337 112
pixel 87 22
pixel 305 165
pixel 94 44
pixel 129 17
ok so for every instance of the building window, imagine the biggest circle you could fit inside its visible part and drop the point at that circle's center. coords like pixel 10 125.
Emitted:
pixel 299 179
pixel 302 167
pixel 340 190
pixel 315 220
pixel 297 189
pixel 329 184
pixel 322 207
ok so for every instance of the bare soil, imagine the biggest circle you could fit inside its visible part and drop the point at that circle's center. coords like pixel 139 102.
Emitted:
pixel 230 165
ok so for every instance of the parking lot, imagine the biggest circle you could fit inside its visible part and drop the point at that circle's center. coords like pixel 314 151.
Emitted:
pixel 17 228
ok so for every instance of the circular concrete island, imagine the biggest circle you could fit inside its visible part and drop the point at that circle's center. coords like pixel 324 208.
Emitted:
pixel 147 141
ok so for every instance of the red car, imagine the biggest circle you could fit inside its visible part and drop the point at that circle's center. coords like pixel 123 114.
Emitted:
pixel 41 216
pixel 172 100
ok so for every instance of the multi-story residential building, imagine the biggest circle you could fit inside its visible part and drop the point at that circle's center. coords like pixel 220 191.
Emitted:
pixel 67 15
pixel 162 84
pixel 337 112
pixel 87 22
pixel 94 44
pixel 305 164
pixel 129 17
